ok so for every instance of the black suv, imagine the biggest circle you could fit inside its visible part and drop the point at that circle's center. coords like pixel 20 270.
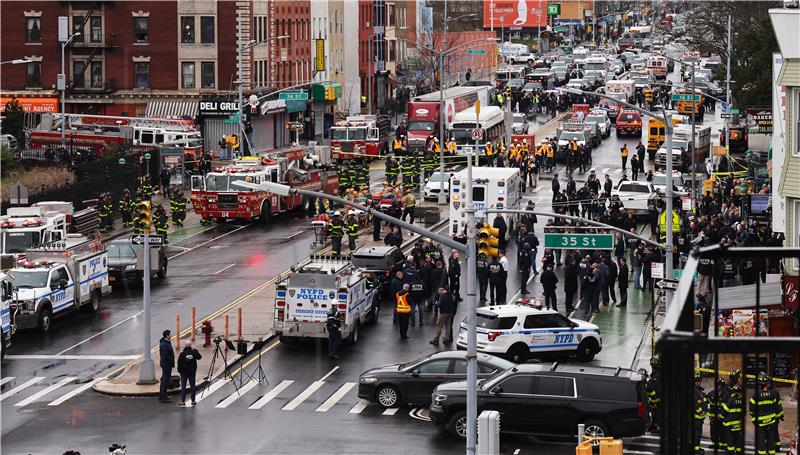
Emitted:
pixel 549 400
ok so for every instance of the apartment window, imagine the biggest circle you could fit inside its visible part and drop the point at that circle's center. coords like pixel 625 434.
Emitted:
pixel 207 74
pixel 796 113
pixel 187 29
pixel 187 75
pixel 141 74
pixel 78 75
pixel 141 29
pixel 97 74
pixel 34 74
pixel 391 15
pixel 77 27
pixel 207 29
pixel 34 30
pixel 96 26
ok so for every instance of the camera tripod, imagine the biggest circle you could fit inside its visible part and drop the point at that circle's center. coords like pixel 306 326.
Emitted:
pixel 218 352
pixel 258 375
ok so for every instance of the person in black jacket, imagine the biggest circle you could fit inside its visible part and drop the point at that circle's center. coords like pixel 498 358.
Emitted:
pixel 496 281
pixel 622 280
pixel 454 274
pixel 549 282
pixel 167 363
pixel 524 266
pixel 502 227
pixel 333 325
pixel 187 367
pixel 570 283
pixel 611 276
pixel 482 269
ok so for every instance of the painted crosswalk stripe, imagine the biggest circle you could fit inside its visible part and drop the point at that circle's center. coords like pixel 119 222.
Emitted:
pixel 359 407
pixel 212 388
pixel 236 394
pixel 271 394
pixel 338 395
pixel 299 399
pixel 21 387
pixel 47 390
pixel 6 379
pixel 76 392
pixel 390 411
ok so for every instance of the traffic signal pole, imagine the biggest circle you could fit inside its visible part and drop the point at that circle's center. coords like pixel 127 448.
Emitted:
pixel 147 370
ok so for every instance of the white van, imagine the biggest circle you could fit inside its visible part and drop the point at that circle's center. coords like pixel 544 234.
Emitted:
pixel 492 187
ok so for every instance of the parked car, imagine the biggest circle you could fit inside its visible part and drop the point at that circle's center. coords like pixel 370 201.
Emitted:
pixel 528 58
pixel 550 400
pixel 600 117
pixel 519 124
pixel 413 382
pixel 126 261
pixel 436 182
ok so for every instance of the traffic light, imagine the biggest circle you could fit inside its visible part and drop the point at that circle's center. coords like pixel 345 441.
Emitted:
pixel 330 95
pixel 488 240
pixel 144 218
pixel 508 92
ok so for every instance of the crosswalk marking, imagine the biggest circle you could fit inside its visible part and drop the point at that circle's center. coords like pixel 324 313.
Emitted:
pixel 212 388
pixel 338 395
pixel 271 394
pixel 359 407
pixel 6 379
pixel 47 390
pixel 75 392
pixel 236 394
pixel 390 411
pixel 21 387
pixel 299 399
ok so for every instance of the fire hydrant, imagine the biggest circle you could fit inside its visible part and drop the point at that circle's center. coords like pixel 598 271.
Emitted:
pixel 207 329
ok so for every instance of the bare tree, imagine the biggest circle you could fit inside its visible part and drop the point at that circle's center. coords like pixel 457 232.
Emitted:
pixel 422 70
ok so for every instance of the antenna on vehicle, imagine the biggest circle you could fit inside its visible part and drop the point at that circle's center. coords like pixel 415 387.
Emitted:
pixel 555 365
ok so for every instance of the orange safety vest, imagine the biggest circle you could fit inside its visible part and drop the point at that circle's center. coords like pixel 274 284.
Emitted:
pixel 488 149
pixel 402 306
pixel 623 151
pixel 451 146
pixel 549 152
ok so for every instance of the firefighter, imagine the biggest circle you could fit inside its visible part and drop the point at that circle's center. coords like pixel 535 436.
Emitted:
pixel 417 173
pixel 106 212
pixel 126 208
pixel 653 389
pixel 362 175
pixel 353 172
pixel 407 169
pixel 161 222
pixel 731 415
pixel 344 177
pixel 700 410
pixel 397 145
pixel 177 208
pixel 392 169
pixel 765 413
pixel 489 153
pixel 429 164
pixel 716 414
pixel 336 231
pixel 451 146
pixel 145 191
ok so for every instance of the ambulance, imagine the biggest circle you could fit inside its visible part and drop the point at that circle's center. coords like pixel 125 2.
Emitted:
pixel 492 187
pixel 309 292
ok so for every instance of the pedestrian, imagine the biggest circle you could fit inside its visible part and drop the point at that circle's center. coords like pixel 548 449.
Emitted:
pixel 622 280
pixel 187 368
pixel 500 224
pixel 333 324
pixel 623 154
pixel 445 303
pixel 549 282
pixel 570 283
pixel 167 363
pixel 454 276
pixel 482 269
pixel 640 151
pixel 495 281
pixel 403 309
pixel 635 168
pixel 501 257
pixel 611 277
pixel 164 178
pixel 524 267
pixel 417 297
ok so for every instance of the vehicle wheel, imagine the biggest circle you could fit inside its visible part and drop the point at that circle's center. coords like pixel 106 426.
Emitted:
pixel 586 350
pixel 94 303
pixel 162 271
pixel 45 319
pixel 595 429
pixel 518 353
pixel 387 396
pixel 457 425
pixel 353 338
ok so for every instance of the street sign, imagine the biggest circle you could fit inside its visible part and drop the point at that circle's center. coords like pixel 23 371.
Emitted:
pixel 570 241
pixel 554 9
pixel 147 156
pixel 726 115
pixel 297 96
pixel 685 97
pixel 678 273
pixel 476 51
pixel 19 194
pixel 155 239
pixel 657 269
pixel 477 134
pixel 232 120
pixel 667 284
pixel 676 221
pixel 735 111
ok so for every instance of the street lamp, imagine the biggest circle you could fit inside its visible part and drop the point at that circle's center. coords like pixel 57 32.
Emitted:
pixel 63 25
pixel 17 61
pixel 668 268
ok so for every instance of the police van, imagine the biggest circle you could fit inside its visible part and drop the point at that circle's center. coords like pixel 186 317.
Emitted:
pixel 307 294
pixel 522 330
pixel 492 187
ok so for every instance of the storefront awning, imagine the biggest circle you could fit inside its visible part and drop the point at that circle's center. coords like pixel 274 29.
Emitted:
pixel 172 108
pixel 37 105
pixel 744 297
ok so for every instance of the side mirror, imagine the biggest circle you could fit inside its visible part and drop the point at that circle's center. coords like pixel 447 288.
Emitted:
pixel 415 374
pixel 496 390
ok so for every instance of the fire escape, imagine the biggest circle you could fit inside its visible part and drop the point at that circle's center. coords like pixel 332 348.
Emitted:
pixel 87 50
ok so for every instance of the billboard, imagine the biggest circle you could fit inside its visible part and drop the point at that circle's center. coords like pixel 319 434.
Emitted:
pixel 514 13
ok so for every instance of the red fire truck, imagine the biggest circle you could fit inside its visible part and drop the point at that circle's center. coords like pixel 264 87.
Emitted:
pixel 361 136
pixel 100 133
pixel 214 197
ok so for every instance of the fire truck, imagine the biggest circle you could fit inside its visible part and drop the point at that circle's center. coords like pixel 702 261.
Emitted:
pixel 214 196
pixel 361 136
pixel 29 227
pixel 100 133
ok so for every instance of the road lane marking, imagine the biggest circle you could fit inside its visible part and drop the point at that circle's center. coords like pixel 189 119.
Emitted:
pixel 44 392
pixel 223 269
pixel 207 242
pixel 77 391
pixel 6 379
pixel 294 235
pixel 236 394
pixel 416 413
pixel 211 389
pixel 271 394
pixel 299 399
pixel 516 452
pixel 329 373
pixel 338 395
pixel 390 411
pixel 71 357
pixel 21 387
pixel 359 407
pixel 99 333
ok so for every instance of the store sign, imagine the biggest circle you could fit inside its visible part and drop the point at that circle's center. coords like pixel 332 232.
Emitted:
pixel 272 106
pixel 212 107
pixel 760 119
pixel 512 13
pixel 319 55
pixel 38 105
pixel 791 285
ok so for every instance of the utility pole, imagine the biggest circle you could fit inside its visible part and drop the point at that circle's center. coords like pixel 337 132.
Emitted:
pixel 147 370
pixel 539 30
pixel 241 82
pixel 442 200
pixel 472 302
pixel 728 87
pixel 694 143
pixel 668 272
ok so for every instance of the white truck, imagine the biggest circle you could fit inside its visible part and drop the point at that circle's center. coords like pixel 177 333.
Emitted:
pixel 623 89
pixel 307 294
pixel 5 314
pixel 58 278
pixel 29 227
pixel 681 140
pixel 492 187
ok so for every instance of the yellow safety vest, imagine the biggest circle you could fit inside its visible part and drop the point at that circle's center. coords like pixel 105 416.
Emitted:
pixel 488 149
pixel 397 145
pixel 436 147
pixel 539 150
pixel 451 146
pixel 402 306
pixel 549 152
pixel 624 151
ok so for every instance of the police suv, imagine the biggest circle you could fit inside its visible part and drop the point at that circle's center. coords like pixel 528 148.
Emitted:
pixel 521 330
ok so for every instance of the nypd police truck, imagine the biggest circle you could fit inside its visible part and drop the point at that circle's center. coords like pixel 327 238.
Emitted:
pixel 58 278
pixel 492 187
pixel 309 292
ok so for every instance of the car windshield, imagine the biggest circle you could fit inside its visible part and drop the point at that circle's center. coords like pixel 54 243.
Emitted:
pixel 633 188
pixel 19 242
pixel 628 117
pixel 439 177
pixel 640 81
pixel 356 134
pixel 116 250
pixel 661 180
pixel 28 279
pixel 217 182
pixel 338 134
pixel 519 118
pixel 571 136
pixel 595 119
pixel 420 126
pixel 461 135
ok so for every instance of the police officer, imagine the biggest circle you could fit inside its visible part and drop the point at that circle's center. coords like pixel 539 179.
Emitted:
pixel 653 389
pixel 482 269
pixel 336 231
pixel 352 230
pixel 496 281
pixel 454 275
pixel 417 299
pixel 333 324
pixel 731 415
pixel 700 410
pixel 766 411
pixel 717 414
pixel 402 310
pixel 161 222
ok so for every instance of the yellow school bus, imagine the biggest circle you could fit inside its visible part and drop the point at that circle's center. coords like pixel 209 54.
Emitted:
pixel 685 106
pixel 656 134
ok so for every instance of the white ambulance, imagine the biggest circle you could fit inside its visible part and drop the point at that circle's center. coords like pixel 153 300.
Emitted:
pixel 492 187
pixel 304 298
